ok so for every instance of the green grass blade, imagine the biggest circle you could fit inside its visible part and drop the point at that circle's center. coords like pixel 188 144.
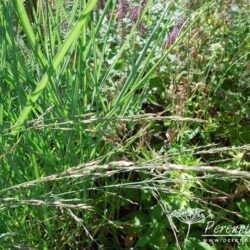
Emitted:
pixel 55 63
pixel 23 17
pixel 139 60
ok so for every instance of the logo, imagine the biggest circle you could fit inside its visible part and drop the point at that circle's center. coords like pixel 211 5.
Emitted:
pixel 214 232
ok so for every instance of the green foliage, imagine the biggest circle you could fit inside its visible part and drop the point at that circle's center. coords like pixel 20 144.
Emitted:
pixel 85 83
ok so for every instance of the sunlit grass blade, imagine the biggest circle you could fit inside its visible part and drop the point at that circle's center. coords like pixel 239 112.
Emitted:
pixel 55 63
pixel 24 19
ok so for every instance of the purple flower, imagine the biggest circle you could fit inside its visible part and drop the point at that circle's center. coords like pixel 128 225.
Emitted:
pixel 123 8
pixel 175 33
pixel 135 13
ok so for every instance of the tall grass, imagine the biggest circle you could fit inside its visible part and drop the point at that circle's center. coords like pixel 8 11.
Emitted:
pixel 100 115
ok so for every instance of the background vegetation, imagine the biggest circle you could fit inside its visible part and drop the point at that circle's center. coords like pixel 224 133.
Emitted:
pixel 108 111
